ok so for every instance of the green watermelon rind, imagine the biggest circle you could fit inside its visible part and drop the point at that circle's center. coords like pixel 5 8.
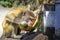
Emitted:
pixel 36 25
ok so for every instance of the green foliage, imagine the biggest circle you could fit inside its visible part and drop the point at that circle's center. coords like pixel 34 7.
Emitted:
pixel 33 7
pixel 6 3
pixel 10 3
pixel 41 1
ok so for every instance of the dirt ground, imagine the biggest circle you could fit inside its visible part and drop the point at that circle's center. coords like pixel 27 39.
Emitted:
pixel 30 36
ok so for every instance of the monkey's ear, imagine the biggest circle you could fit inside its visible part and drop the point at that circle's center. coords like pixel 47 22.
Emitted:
pixel 29 6
pixel 40 9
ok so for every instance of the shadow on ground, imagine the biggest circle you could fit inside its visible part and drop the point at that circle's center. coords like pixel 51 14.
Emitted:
pixel 34 36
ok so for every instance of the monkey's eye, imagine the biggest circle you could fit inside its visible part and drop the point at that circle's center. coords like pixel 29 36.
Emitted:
pixel 24 13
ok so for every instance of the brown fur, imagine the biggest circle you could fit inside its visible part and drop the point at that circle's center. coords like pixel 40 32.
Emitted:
pixel 11 27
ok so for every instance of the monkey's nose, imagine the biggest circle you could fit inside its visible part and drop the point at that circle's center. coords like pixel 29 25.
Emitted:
pixel 25 25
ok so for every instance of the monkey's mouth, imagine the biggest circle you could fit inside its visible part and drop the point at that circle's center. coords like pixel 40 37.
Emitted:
pixel 28 24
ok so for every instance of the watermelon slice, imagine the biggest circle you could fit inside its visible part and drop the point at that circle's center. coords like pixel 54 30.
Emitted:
pixel 33 25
